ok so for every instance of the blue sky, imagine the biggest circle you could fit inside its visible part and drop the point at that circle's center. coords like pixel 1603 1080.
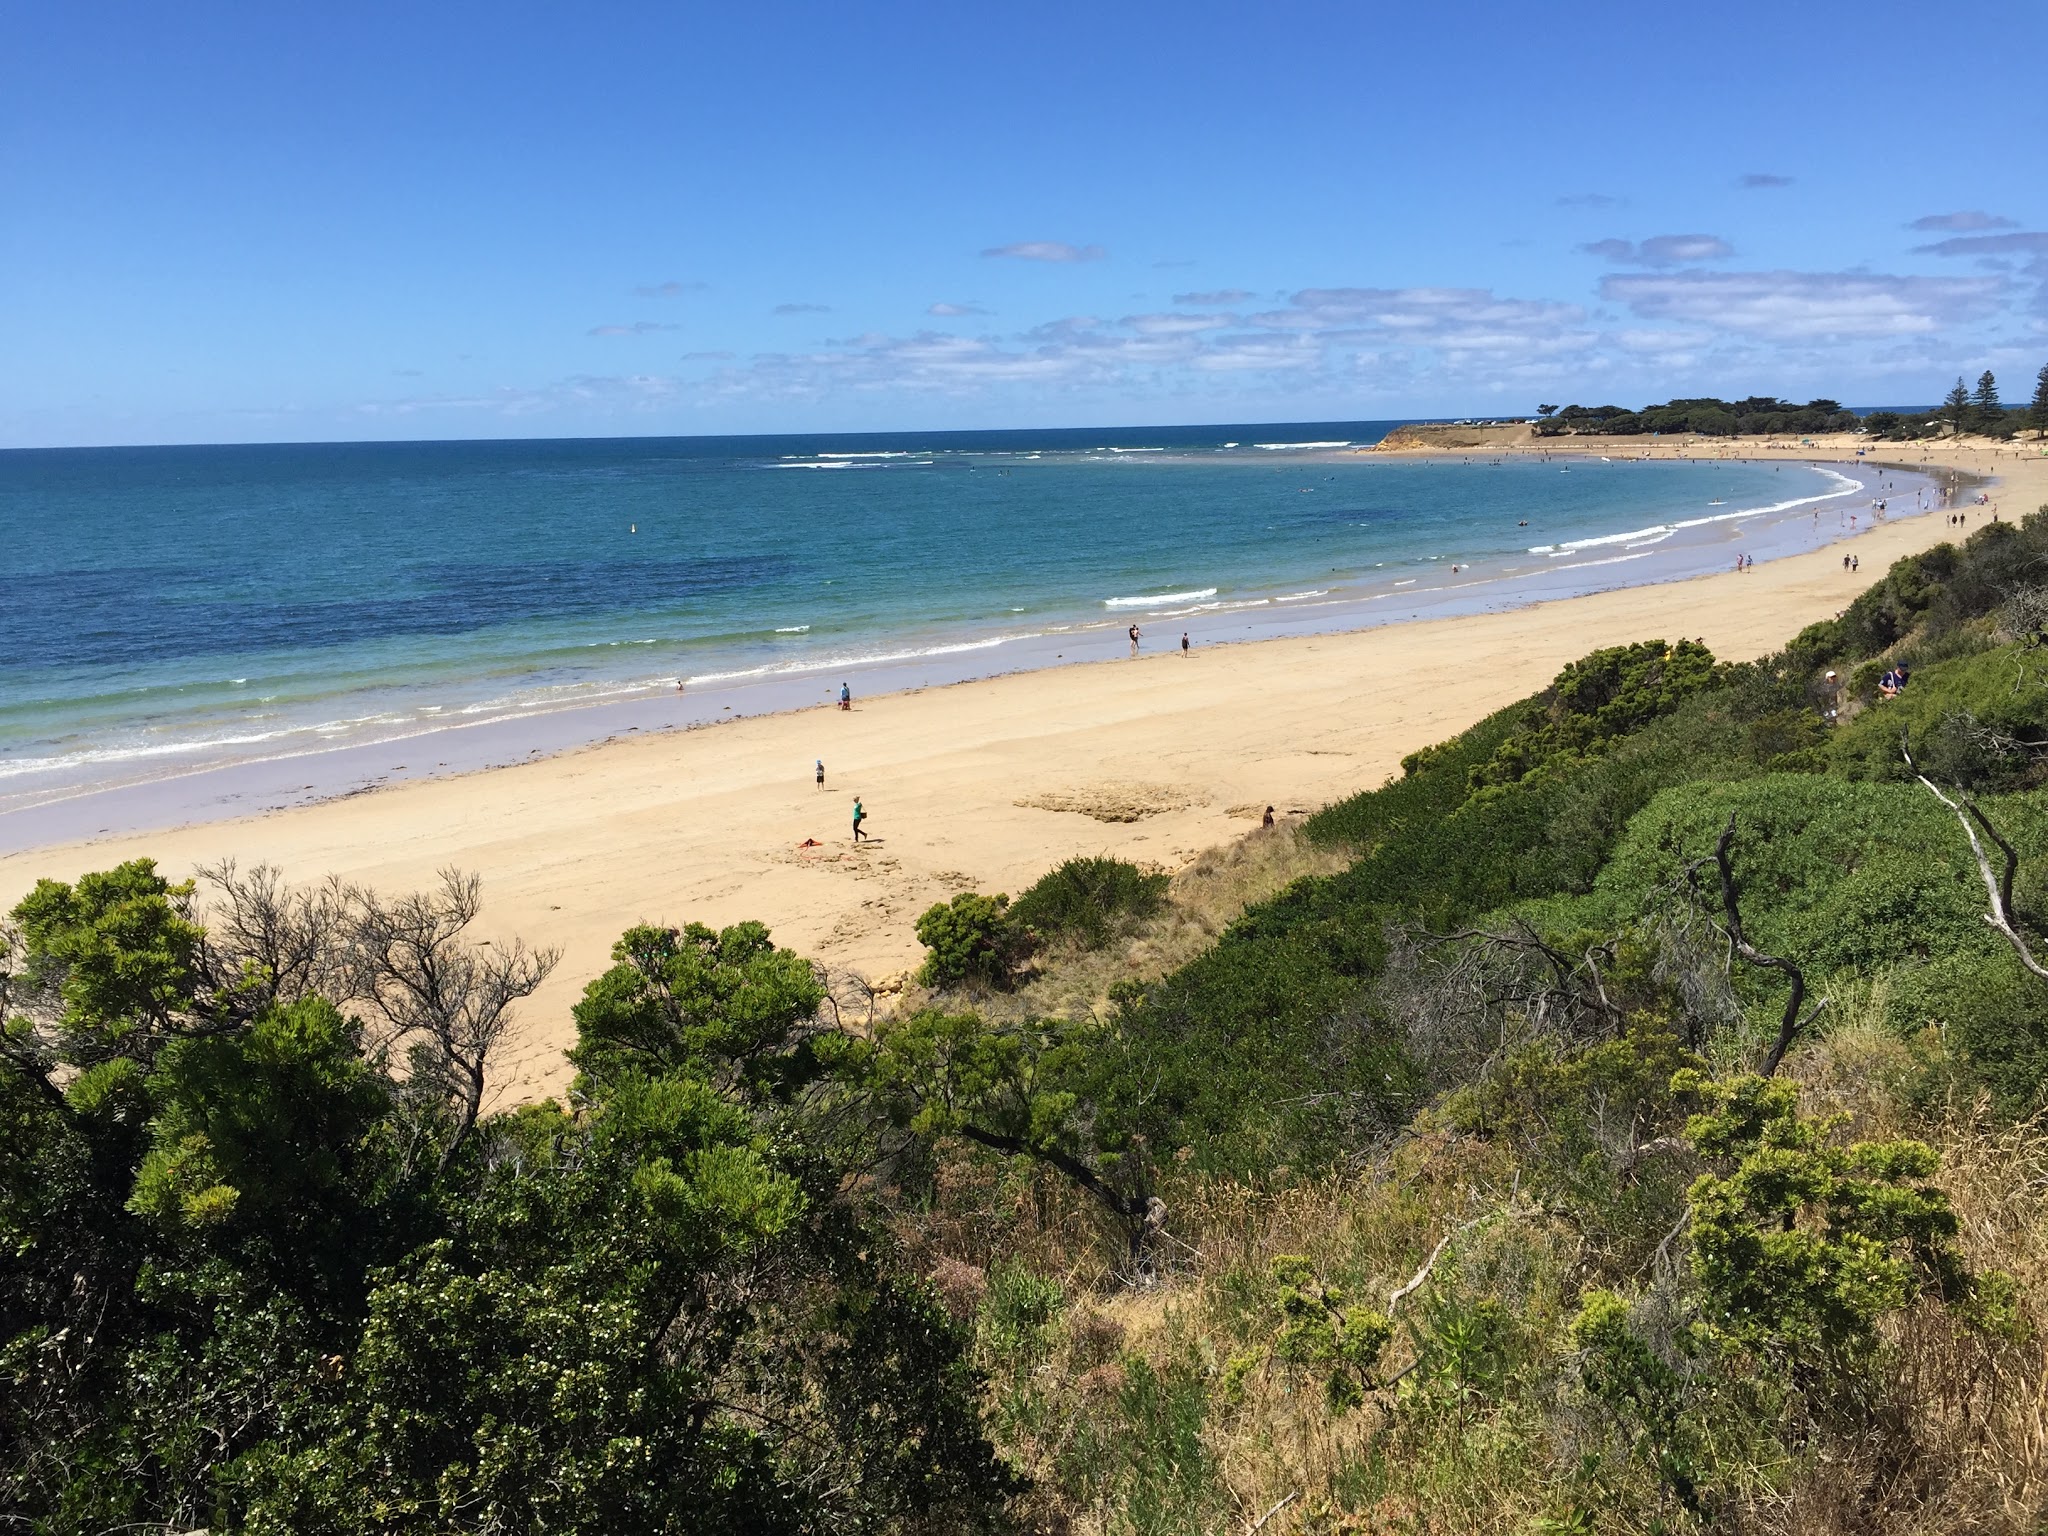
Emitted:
pixel 241 223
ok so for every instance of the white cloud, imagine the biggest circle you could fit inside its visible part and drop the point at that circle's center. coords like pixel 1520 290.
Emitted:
pixel 1661 250
pixel 955 311
pixel 1459 321
pixel 668 290
pixel 637 328
pixel 1175 325
pixel 1963 222
pixel 1220 298
pixel 803 309
pixel 1047 250
pixel 1805 305
pixel 1761 181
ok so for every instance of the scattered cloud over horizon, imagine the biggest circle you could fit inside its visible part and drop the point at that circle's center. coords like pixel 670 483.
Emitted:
pixel 1661 250
pixel 1761 181
pixel 1216 298
pixel 803 309
pixel 2002 253
pixel 668 290
pixel 637 328
pixel 1047 250
pixel 1804 305
pixel 947 311
pixel 1175 325
pixel 1962 222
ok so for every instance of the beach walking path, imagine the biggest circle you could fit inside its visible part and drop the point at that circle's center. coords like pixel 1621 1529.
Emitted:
pixel 982 785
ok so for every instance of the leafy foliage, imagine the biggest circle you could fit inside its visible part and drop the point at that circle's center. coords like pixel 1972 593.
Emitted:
pixel 971 940
pixel 1086 900
pixel 1595 700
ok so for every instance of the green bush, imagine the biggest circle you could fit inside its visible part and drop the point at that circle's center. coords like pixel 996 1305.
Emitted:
pixel 1596 699
pixel 1086 900
pixel 971 940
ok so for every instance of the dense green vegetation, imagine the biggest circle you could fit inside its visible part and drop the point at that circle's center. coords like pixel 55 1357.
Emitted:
pixel 1759 415
pixel 1635 1133
pixel 1978 410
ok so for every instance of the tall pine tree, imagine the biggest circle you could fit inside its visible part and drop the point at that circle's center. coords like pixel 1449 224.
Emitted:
pixel 1990 410
pixel 1955 410
pixel 2037 413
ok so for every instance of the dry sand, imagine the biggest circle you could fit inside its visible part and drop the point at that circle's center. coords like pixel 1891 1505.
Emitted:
pixel 985 785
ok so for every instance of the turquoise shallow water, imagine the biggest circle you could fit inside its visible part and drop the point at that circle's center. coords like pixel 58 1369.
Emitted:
pixel 175 608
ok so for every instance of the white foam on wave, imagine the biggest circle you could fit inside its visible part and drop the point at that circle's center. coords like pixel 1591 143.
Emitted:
pixel 1346 443
pixel 794 629
pixel 1295 597
pixel 851 660
pixel 904 453
pixel 1658 532
pixel 1158 599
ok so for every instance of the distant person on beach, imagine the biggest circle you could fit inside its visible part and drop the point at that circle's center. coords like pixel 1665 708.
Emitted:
pixel 1134 639
pixel 681 684
pixel 845 696
pixel 1183 642
pixel 859 815
pixel 1269 817
pixel 821 773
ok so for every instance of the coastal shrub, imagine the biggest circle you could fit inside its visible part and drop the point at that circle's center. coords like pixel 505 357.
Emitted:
pixel 1801 1244
pixel 971 941
pixel 1604 695
pixel 1979 721
pixel 1433 783
pixel 1993 1021
pixel 257 1275
pixel 1087 900
pixel 1833 875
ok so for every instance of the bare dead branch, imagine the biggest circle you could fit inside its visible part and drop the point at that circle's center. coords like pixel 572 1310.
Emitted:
pixel 1259 1524
pixel 1791 1024
pixel 1997 884
pixel 410 962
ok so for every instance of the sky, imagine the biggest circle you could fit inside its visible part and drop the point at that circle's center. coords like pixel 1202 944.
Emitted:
pixel 234 222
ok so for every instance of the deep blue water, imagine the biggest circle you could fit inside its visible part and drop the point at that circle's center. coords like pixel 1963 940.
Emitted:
pixel 166 606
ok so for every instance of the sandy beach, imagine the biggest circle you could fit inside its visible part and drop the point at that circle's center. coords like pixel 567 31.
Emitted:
pixel 984 785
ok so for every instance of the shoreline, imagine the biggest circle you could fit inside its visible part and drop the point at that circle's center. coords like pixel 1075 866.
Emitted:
pixel 979 785
pixel 224 784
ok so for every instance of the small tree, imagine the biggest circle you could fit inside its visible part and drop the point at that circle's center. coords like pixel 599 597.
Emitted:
pixel 971 939
pixel 1955 408
pixel 2037 413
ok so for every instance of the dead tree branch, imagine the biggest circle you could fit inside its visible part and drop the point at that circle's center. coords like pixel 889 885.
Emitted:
pixel 1791 1024
pixel 413 966
pixel 1997 885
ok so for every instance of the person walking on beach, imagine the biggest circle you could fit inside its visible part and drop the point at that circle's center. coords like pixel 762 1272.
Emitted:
pixel 1134 639
pixel 821 773
pixel 1183 642
pixel 845 696
pixel 859 815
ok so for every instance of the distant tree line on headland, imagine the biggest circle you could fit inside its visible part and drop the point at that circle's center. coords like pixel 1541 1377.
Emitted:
pixel 1964 410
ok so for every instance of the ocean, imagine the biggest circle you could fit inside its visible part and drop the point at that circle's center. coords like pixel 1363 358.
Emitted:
pixel 171 610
